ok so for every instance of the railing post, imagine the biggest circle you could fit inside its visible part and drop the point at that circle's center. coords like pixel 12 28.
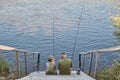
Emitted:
pixel 80 61
pixel 96 64
pixel 25 57
pixel 90 64
pixel 33 62
pixel 38 62
pixel 83 62
pixel 17 65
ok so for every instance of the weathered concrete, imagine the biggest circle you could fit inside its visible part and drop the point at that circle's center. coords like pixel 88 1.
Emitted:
pixel 42 76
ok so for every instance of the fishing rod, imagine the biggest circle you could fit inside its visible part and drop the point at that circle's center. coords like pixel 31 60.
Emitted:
pixel 76 37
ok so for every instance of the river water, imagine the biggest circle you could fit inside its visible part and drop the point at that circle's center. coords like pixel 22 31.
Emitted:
pixel 29 24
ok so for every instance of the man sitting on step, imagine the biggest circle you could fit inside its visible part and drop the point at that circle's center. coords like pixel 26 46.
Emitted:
pixel 64 65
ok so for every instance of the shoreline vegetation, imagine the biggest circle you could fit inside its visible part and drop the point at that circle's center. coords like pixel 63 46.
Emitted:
pixel 7 73
pixel 110 73
pixel 115 20
pixel 118 4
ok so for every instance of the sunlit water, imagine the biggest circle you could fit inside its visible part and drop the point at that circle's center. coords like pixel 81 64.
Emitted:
pixel 28 24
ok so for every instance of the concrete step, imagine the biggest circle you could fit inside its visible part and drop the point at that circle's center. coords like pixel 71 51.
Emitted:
pixel 39 75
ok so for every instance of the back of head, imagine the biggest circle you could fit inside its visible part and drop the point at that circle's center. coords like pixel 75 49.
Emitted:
pixel 62 55
pixel 50 58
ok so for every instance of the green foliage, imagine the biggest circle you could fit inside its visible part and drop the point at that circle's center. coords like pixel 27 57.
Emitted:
pixel 117 5
pixel 112 73
pixel 115 20
pixel 117 33
pixel 21 71
pixel 4 69
pixel 14 70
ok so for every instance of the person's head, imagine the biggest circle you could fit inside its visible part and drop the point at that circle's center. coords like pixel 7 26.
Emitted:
pixel 51 58
pixel 63 55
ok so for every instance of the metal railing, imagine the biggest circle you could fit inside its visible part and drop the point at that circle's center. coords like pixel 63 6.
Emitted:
pixel 82 59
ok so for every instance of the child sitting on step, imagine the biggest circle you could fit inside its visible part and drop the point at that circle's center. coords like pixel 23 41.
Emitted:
pixel 51 66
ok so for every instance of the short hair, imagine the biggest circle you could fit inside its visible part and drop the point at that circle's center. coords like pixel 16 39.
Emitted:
pixel 62 53
pixel 50 58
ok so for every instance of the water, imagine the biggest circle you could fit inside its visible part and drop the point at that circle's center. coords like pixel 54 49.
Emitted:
pixel 28 24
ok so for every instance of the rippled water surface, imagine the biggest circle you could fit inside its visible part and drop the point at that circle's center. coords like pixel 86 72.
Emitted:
pixel 28 24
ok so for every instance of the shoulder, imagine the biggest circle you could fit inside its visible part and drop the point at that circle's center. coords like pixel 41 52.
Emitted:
pixel 47 64
pixel 53 63
pixel 69 60
pixel 59 61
